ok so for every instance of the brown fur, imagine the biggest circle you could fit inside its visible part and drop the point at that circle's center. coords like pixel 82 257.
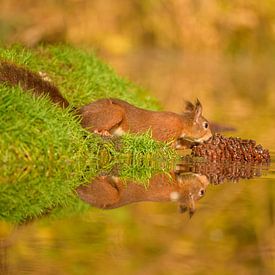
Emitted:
pixel 15 75
pixel 165 126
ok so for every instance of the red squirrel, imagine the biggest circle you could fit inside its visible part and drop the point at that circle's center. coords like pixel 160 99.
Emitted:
pixel 110 116
pixel 110 192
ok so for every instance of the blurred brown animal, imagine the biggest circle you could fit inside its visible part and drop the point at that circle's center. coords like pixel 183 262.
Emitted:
pixel 110 192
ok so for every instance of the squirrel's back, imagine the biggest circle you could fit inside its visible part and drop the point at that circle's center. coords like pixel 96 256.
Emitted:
pixel 13 75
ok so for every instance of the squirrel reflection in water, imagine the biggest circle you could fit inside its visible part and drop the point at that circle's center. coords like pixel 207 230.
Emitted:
pixel 186 185
pixel 110 192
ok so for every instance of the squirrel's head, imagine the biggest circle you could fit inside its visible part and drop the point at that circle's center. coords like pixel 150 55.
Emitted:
pixel 192 187
pixel 196 126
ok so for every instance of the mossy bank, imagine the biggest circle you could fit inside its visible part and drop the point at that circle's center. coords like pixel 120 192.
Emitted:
pixel 45 154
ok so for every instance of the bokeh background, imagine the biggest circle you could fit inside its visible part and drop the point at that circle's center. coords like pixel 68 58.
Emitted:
pixel 222 52
pixel 213 50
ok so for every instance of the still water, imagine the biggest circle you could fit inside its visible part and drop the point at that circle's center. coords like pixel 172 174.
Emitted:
pixel 231 229
pixel 226 228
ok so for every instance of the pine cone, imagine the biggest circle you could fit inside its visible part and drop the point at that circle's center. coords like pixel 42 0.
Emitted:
pixel 219 149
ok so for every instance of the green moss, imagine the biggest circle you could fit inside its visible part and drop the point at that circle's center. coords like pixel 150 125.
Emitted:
pixel 45 153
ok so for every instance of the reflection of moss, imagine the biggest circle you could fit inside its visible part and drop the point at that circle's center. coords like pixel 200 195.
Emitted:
pixel 45 153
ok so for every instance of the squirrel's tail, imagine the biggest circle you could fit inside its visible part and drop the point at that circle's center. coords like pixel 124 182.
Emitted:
pixel 12 74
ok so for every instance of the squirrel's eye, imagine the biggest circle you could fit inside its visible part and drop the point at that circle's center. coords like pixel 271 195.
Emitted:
pixel 205 125
pixel 201 192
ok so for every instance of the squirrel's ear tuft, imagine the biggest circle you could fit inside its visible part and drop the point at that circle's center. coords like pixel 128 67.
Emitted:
pixel 189 106
pixel 198 103
pixel 198 110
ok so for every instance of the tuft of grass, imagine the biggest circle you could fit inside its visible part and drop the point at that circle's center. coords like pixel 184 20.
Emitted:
pixel 45 153
pixel 141 157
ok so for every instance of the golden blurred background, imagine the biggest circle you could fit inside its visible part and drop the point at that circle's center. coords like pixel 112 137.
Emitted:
pixel 122 27
pixel 219 51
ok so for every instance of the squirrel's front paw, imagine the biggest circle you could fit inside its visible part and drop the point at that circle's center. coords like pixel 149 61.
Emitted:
pixel 103 133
